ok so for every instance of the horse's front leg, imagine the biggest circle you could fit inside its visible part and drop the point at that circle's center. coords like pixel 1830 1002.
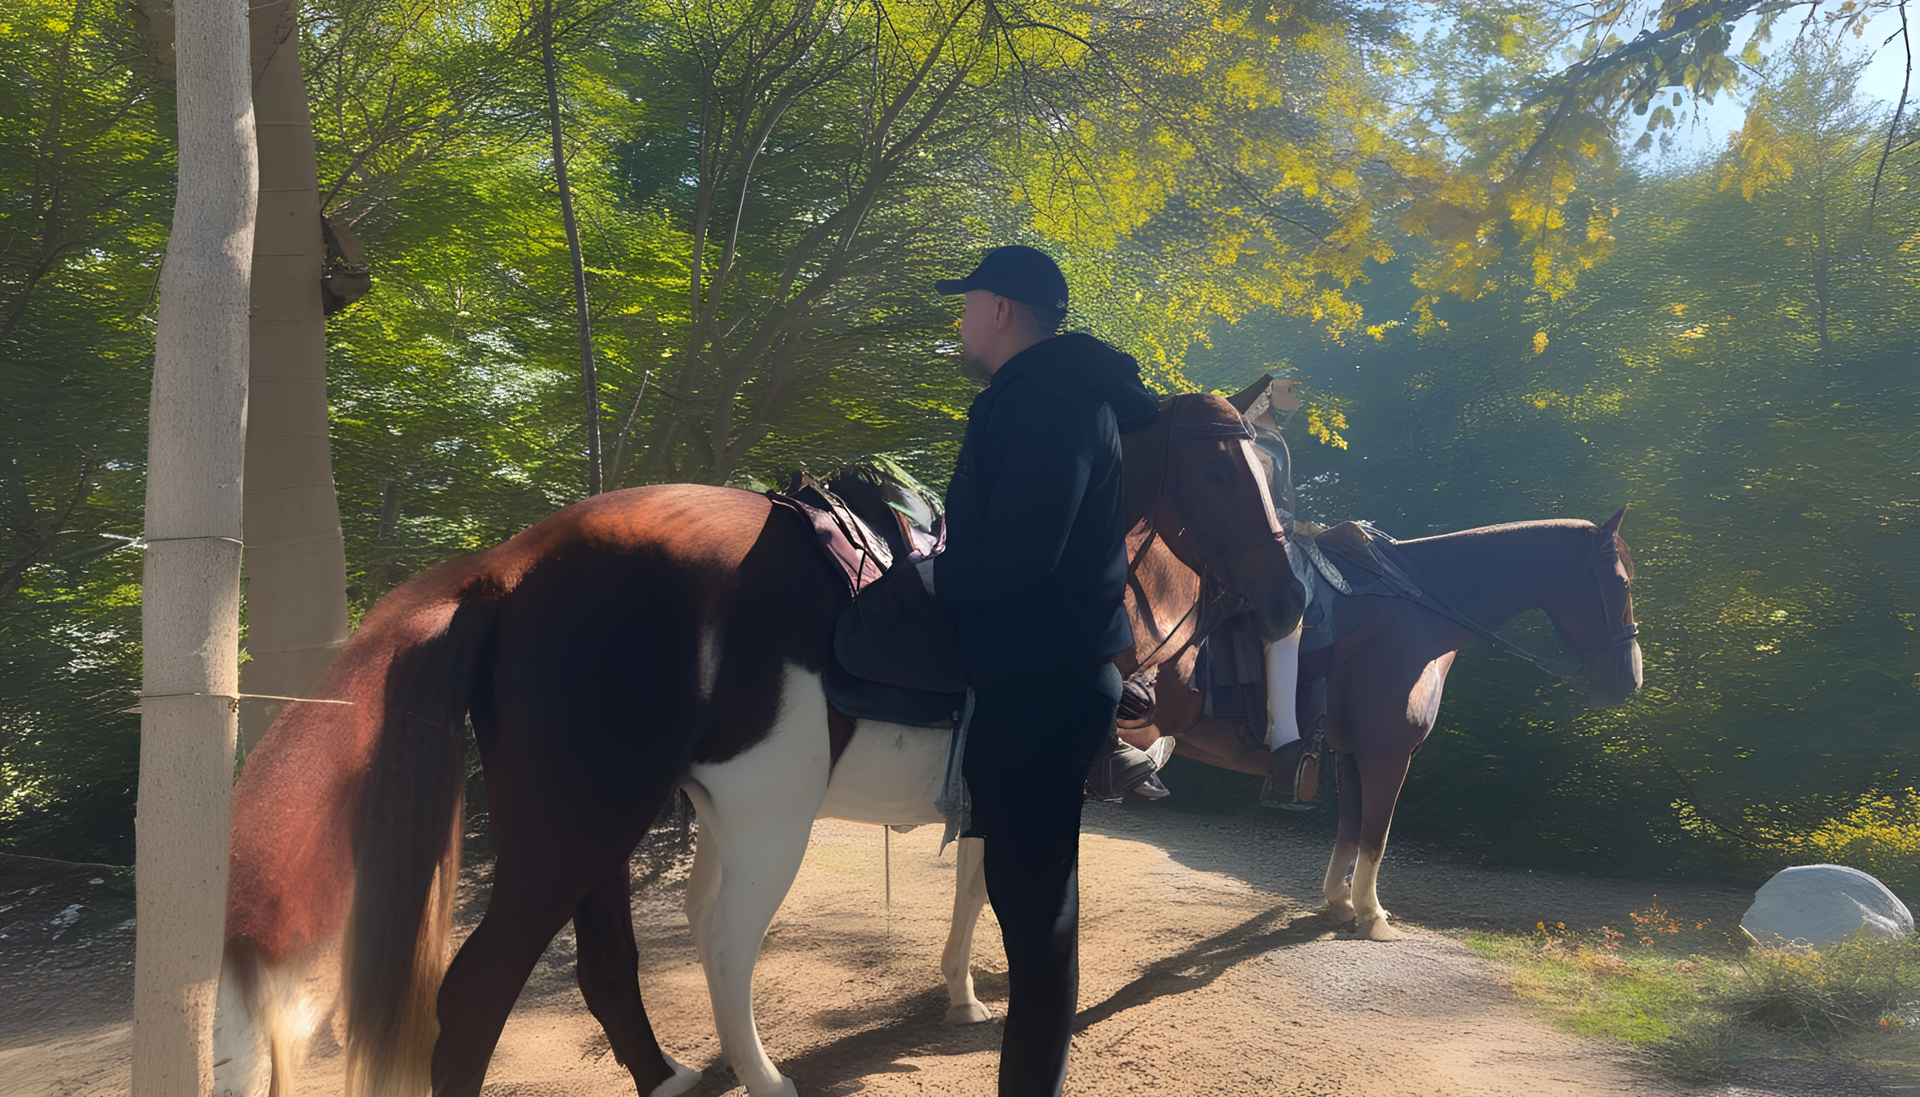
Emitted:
pixel 956 960
pixel 1383 766
pixel 1381 778
pixel 1338 893
pixel 756 813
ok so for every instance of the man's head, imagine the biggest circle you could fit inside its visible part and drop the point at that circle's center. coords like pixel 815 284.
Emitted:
pixel 1015 298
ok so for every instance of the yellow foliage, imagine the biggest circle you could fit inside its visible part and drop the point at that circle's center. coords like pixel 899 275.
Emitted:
pixel 1880 836
pixel 1325 424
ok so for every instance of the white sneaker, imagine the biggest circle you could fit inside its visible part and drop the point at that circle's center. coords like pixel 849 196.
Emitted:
pixel 1152 788
pixel 1160 751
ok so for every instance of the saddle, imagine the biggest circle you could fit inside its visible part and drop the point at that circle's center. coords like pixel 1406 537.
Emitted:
pixel 856 550
pixel 896 657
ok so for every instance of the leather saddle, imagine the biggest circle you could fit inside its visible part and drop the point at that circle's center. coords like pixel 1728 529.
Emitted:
pixel 896 655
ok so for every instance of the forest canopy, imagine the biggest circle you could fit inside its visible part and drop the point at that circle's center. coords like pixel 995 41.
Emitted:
pixel 1452 223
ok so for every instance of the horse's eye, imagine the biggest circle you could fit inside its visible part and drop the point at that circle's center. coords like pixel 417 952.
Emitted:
pixel 1217 466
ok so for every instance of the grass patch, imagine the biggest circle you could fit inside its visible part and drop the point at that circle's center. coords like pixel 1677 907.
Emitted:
pixel 1695 997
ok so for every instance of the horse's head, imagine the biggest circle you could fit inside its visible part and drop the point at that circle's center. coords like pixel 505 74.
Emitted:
pixel 1194 475
pixel 1601 626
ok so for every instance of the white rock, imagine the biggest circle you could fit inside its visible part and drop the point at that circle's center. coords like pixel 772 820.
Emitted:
pixel 1819 905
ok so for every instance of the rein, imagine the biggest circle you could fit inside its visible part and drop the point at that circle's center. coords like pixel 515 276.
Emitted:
pixel 1616 637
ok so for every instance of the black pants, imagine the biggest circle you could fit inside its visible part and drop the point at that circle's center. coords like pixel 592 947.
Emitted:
pixel 1028 751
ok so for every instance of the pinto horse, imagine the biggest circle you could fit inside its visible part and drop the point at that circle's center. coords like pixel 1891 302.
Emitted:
pixel 637 641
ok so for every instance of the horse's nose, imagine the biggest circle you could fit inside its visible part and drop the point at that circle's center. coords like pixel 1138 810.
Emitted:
pixel 1622 682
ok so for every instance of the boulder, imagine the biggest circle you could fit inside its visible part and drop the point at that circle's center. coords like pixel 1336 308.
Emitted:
pixel 1820 905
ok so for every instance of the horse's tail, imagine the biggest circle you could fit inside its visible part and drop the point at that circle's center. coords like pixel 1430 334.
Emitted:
pixel 407 859
pixel 345 842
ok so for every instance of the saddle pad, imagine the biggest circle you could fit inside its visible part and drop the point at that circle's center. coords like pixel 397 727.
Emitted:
pixel 864 700
pixel 1350 543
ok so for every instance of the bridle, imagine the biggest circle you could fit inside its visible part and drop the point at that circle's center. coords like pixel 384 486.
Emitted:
pixel 1217 601
pixel 1621 632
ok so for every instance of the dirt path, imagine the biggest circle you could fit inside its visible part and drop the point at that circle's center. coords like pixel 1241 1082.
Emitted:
pixel 1203 972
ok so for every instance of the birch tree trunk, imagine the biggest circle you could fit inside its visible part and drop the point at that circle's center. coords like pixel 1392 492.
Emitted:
pixel 191 590
pixel 296 560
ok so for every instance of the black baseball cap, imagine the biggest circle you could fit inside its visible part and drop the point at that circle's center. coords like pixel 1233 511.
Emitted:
pixel 1017 273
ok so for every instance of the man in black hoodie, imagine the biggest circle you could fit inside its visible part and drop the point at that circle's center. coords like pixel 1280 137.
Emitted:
pixel 1035 571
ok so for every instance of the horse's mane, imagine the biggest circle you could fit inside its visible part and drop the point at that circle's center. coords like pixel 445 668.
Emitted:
pixel 1570 524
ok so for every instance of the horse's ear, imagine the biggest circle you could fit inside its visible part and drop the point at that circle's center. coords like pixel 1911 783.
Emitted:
pixel 1243 400
pixel 1612 527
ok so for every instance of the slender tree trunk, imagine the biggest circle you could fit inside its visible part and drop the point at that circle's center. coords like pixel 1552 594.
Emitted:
pixel 296 559
pixel 190 612
pixel 582 312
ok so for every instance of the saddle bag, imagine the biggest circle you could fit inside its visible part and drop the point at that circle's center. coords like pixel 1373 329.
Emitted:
pixel 896 633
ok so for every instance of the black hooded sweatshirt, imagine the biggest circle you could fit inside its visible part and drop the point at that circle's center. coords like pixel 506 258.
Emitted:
pixel 1035 567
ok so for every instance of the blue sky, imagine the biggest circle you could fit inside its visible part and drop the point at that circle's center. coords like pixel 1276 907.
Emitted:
pixel 1704 126
pixel 1881 81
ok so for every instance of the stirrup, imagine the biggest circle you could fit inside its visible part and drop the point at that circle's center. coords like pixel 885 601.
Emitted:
pixel 1301 786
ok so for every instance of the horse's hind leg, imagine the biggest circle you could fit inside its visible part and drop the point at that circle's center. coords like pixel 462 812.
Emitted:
pixel 756 813
pixel 530 902
pixel 608 967
pixel 1338 893
pixel 956 960
pixel 1380 781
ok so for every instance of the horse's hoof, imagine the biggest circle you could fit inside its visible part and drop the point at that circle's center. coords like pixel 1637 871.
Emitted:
pixel 683 1079
pixel 1377 929
pixel 785 1089
pixel 971 1013
pixel 1339 913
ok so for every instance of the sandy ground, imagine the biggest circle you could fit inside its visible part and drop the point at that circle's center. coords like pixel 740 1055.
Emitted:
pixel 1204 971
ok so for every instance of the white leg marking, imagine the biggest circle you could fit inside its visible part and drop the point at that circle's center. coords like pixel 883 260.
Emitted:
pixel 683 1079
pixel 1369 920
pixel 757 816
pixel 1338 894
pixel 956 960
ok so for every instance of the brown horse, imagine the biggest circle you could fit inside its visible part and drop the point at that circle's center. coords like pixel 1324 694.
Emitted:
pixel 1385 672
pixel 1389 663
pixel 639 640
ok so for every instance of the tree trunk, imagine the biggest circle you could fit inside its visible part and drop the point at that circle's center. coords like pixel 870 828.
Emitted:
pixel 190 612
pixel 296 560
pixel 583 315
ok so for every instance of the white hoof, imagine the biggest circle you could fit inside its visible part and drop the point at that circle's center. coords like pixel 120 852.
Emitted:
pixel 1376 929
pixel 785 1089
pixel 971 1013
pixel 683 1079
pixel 1339 911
